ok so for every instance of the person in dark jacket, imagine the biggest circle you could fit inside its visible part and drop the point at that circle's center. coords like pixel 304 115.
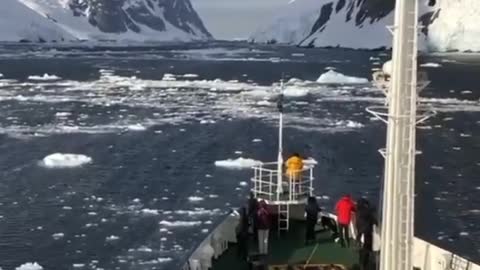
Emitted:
pixel 311 210
pixel 242 236
pixel 365 220
pixel 263 226
pixel 252 213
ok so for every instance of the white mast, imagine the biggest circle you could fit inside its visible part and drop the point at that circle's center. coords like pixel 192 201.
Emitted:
pixel 398 195
pixel 280 143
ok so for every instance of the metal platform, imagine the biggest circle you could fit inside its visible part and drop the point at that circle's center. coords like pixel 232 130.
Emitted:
pixel 292 191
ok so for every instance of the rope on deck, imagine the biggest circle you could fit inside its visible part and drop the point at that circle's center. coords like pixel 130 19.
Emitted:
pixel 311 255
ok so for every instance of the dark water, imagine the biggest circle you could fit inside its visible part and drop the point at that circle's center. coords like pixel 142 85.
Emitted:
pixel 153 185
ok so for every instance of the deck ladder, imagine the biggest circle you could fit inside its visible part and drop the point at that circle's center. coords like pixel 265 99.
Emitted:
pixel 283 217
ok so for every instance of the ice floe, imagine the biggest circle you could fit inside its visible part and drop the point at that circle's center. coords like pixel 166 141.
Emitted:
pixel 29 266
pixel 179 223
pixel 198 212
pixel 58 236
pixel 333 77
pixel 45 77
pixel 238 163
pixel 136 127
pixel 195 199
pixel 190 75
pixel 432 65
pixel 295 92
pixel 348 124
pixel 59 160
pixel 112 238
pixel 149 212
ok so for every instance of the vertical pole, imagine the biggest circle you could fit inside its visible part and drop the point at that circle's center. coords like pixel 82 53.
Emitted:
pixel 280 145
pixel 398 196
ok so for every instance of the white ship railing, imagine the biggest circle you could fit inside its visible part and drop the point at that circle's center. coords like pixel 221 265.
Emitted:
pixel 265 183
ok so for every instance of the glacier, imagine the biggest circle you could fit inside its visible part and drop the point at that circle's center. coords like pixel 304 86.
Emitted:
pixel 449 25
pixel 101 20
pixel 19 23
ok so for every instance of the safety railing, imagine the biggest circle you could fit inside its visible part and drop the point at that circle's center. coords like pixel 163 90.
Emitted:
pixel 296 186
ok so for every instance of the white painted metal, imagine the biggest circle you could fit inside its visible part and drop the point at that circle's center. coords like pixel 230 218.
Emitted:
pixel 280 147
pixel 398 196
pixel 265 184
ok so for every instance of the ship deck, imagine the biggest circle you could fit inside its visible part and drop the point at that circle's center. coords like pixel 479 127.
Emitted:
pixel 289 251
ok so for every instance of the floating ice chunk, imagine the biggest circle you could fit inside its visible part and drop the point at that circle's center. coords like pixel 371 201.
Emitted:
pixel 180 223
pixel 67 208
pixel 333 77
pixel 298 54
pixel 59 160
pixel 436 167
pixel 163 260
pixel 1 75
pixel 58 236
pixel 310 161
pixel 213 196
pixel 136 127
pixel 432 65
pixel 243 184
pixel 168 77
pixel 149 212
pixel 374 58
pixel 144 249
pixel 136 200
pixel 29 266
pixel 465 92
pixel 264 103
pixel 256 140
pixel 195 199
pixel 204 230
pixel 112 238
pixel 238 163
pixel 464 234
pixel 198 212
pixel 78 265
pixel 45 77
pixel 207 121
pixel 348 124
pixel 295 92
pixel 190 76
pixel 238 152
pixel 63 114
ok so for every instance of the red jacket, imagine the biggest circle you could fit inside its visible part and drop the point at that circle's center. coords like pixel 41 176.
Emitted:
pixel 344 209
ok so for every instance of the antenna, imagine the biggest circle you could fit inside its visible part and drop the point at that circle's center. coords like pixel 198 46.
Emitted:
pixel 280 140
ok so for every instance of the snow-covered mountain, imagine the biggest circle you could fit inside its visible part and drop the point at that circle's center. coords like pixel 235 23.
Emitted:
pixel 18 22
pixel 120 20
pixel 449 24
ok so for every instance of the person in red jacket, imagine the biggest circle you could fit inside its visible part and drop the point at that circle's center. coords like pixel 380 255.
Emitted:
pixel 344 209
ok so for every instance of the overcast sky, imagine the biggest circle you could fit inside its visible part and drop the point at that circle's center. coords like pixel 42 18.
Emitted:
pixel 229 19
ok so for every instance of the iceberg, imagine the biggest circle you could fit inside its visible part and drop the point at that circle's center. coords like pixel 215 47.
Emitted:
pixel 59 160
pixel 333 77
pixel 239 163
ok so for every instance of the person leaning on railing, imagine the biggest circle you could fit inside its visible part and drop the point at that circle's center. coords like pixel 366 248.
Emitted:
pixel 294 167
